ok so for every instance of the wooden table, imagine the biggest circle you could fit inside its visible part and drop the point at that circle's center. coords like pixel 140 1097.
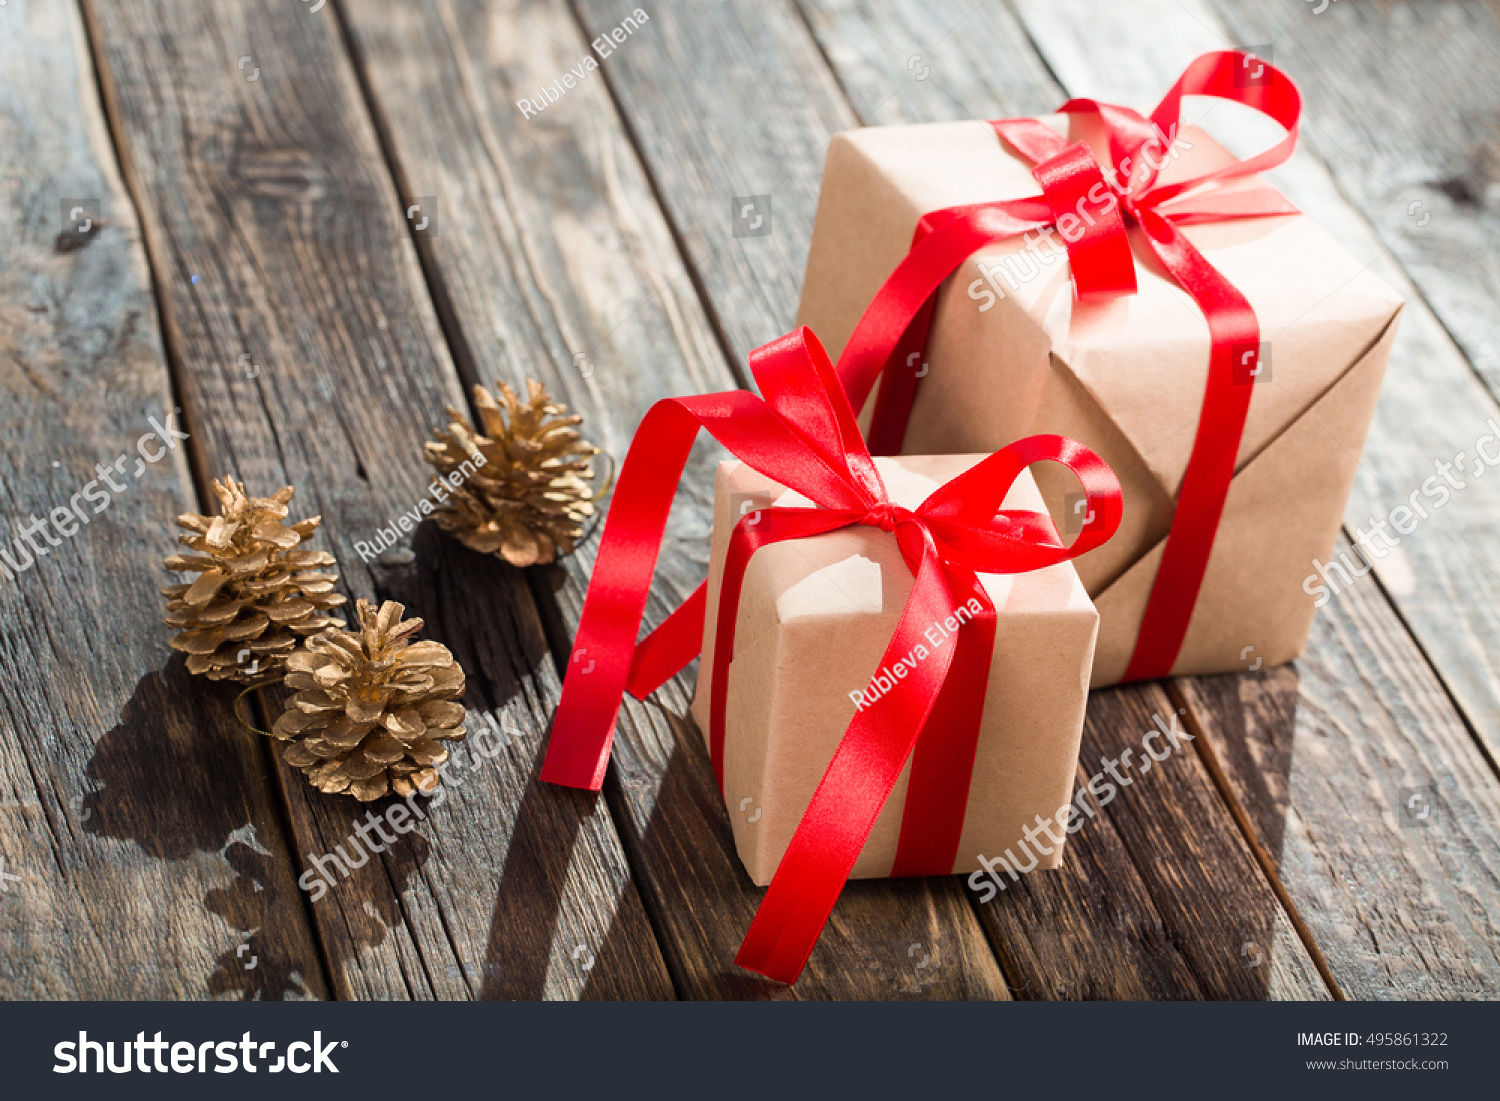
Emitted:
pixel 249 262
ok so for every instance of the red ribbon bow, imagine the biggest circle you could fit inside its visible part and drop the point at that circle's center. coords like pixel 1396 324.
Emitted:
pixel 804 435
pixel 892 334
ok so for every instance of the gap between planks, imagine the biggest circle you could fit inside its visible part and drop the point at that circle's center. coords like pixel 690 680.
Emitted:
pixel 409 949
pixel 195 458
pixel 469 371
pixel 681 841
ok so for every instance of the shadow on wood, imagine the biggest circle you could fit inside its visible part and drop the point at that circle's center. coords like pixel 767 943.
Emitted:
pixel 1257 714
pixel 523 928
pixel 548 874
pixel 1225 920
pixel 1159 897
pixel 886 939
pixel 154 772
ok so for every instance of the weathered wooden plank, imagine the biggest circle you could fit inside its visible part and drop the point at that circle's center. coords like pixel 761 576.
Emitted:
pixel 1432 408
pixel 1360 674
pixel 730 102
pixel 567 272
pixel 1161 896
pixel 1404 112
pixel 1370 794
pixel 140 842
pixel 904 61
pixel 1220 914
pixel 272 194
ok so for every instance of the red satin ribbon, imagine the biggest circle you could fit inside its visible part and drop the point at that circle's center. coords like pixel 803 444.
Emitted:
pixel 804 436
pixel 891 336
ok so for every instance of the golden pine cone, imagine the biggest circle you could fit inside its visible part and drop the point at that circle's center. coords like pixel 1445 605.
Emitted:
pixel 372 710
pixel 527 500
pixel 255 594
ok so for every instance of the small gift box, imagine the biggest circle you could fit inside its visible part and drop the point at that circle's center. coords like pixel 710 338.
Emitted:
pixel 815 617
pixel 895 672
pixel 1158 302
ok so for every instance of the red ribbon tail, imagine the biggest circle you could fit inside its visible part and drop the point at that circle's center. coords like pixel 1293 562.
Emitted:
pixel 603 657
pixel 917 279
pixel 583 729
pixel 1233 362
pixel 663 653
pixel 898 384
pixel 859 779
pixel 942 764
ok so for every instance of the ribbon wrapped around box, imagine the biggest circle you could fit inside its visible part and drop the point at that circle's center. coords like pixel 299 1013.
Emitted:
pixel 810 639
pixel 921 728
pixel 1172 311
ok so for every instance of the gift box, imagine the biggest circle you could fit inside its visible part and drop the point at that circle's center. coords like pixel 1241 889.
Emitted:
pixel 897 652
pixel 1013 350
pixel 815 616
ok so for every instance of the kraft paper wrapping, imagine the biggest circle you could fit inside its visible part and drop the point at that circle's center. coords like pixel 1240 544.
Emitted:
pixel 814 620
pixel 1013 356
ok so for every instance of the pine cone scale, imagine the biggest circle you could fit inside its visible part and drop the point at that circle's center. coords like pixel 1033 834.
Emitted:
pixel 528 500
pixel 363 719
pixel 244 613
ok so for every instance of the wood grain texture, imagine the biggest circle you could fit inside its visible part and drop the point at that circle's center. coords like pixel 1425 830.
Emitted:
pixel 1159 896
pixel 140 822
pixel 1129 916
pixel 1403 108
pixel 904 61
pixel 277 234
pixel 1441 579
pixel 1415 425
pixel 729 100
pixel 591 246
pixel 1326 755
pixel 567 272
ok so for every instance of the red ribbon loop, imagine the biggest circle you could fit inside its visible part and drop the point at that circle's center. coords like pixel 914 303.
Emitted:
pixel 1100 256
pixel 891 337
pixel 803 435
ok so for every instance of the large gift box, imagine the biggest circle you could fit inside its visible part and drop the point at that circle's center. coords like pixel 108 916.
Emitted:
pixel 815 616
pixel 1013 350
